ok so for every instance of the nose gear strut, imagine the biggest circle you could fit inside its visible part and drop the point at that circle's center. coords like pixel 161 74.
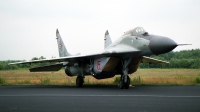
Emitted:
pixel 125 80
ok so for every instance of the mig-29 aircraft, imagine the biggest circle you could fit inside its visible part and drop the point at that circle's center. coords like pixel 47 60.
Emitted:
pixel 120 57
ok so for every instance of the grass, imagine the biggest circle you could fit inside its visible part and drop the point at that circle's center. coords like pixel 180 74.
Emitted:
pixel 45 81
pixel 141 77
pixel 167 77
pixel 198 80
pixel 2 80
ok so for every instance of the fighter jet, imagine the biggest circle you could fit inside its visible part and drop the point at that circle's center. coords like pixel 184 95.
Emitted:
pixel 121 57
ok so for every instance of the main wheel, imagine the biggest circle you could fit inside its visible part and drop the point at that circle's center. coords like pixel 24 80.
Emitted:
pixel 79 81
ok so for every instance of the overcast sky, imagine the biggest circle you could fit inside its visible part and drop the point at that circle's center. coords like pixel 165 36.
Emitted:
pixel 28 27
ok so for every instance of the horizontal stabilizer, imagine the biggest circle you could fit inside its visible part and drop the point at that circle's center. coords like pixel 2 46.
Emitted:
pixel 153 60
pixel 48 68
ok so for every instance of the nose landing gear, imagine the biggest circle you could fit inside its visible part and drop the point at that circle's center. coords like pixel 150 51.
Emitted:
pixel 124 83
pixel 125 80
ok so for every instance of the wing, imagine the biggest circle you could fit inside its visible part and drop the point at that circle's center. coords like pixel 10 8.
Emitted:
pixel 153 60
pixel 69 59
pixel 74 59
pixel 55 67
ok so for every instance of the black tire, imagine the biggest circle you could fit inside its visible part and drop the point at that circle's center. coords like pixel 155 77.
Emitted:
pixel 121 84
pixel 127 83
pixel 79 81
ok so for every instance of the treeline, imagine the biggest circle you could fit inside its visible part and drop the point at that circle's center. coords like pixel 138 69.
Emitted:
pixel 181 59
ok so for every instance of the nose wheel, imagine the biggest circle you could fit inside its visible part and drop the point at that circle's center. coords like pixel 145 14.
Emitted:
pixel 124 83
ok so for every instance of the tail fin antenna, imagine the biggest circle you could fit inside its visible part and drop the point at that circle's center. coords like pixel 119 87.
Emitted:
pixel 61 46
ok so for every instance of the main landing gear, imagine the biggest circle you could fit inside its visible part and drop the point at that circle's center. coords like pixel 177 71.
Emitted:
pixel 79 81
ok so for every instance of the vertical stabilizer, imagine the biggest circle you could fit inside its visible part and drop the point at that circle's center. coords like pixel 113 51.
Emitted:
pixel 107 40
pixel 61 46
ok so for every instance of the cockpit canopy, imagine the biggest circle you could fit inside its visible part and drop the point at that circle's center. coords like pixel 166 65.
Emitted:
pixel 136 31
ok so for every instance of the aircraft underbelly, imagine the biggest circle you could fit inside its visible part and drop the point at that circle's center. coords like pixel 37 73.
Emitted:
pixel 134 65
pixel 108 64
pixel 111 64
pixel 104 67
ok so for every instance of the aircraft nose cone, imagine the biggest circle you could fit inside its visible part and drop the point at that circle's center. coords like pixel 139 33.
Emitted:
pixel 160 45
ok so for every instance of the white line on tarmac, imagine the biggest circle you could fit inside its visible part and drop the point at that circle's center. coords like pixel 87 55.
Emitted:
pixel 55 95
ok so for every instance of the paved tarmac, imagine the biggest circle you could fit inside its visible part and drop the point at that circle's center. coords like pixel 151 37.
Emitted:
pixel 99 98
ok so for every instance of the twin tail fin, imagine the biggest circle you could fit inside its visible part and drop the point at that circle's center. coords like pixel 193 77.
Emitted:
pixel 107 40
pixel 61 46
